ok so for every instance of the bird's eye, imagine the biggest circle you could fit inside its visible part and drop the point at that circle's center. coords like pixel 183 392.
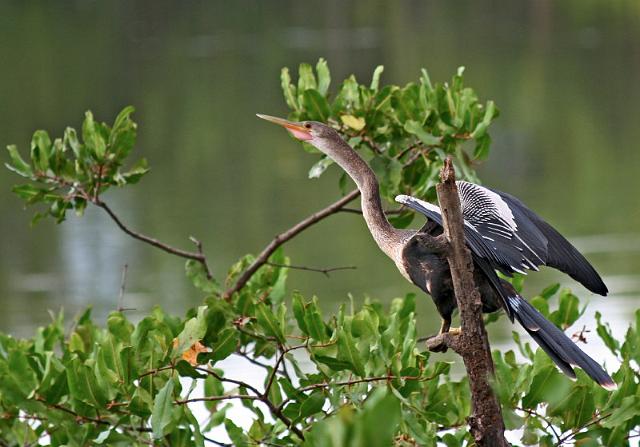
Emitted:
pixel 307 125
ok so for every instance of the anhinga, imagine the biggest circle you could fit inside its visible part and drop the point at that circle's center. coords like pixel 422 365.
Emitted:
pixel 501 232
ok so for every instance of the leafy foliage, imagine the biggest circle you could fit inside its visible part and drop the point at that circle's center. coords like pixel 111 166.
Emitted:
pixel 357 377
pixel 403 132
pixel 68 173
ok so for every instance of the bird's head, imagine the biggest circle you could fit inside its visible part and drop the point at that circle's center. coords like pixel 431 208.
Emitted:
pixel 317 134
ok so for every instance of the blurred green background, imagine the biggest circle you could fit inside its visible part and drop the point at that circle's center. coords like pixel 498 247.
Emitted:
pixel 564 75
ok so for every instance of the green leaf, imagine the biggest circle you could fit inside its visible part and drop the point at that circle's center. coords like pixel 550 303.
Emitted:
pixel 414 128
pixel 212 387
pixel 298 306
pixel 380 418
pixel 348 352
pixel 29 193
pixel 375 79
pixel 225 345
pixel 18 165
pixel 312 404
pixel 288 89
pixel 133 175
pixel 236 434
pixel 313 319
pixel 92 137
pixel 547 386
pixel 40 150
pixel 83 385
pixel 629 408
pixel 481 150
pixel 604 331
pixel 197 274
pixel 123 134
pixel 319 167
pixel 268 322
pixel 306 79
pixel 568 310
pixel 71 140
pixel 162 410
pixel 324 77
pixel 315 105
pixel 194 330
pixel 402 220
pixel 549 291
pixel 18 378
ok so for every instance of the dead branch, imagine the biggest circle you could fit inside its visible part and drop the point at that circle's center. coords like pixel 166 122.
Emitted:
pixel 485 423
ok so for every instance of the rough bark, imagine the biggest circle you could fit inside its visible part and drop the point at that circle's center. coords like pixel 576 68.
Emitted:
pixel 485 423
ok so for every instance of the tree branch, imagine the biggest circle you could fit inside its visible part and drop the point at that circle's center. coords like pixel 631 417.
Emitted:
pixel 485 423
pixel 196 256
pixel 280 239
pixel 316 386
pixel 324 271
pixel 262 397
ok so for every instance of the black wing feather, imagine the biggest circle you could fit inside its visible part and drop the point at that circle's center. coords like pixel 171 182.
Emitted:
pixel 560 253
pixel 511 237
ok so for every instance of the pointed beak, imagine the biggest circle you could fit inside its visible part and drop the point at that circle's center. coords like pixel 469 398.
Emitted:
pixel 296 129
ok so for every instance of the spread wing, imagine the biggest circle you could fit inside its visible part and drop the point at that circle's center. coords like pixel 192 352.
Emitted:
pixel 512 238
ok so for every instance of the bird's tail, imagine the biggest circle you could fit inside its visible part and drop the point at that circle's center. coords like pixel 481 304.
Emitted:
pixel 562 350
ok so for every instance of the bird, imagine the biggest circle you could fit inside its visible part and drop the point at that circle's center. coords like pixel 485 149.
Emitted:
pixel 502 234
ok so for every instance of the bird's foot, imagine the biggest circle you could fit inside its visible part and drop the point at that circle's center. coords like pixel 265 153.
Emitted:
pixel 455 331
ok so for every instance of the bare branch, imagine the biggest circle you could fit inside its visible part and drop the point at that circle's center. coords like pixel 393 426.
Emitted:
pixel 280 239
pixel 218 443
pixel 389 378
pixel 262 397
pixel 217 398
pixel 225 379
pixel 196 256
pixel 324 271
pixel 123 281
pixel 485 423
pixel 204 258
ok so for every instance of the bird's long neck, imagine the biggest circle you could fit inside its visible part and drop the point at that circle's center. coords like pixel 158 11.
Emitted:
pixel 385 235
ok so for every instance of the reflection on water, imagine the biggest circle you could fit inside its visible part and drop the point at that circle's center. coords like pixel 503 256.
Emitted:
pixel 564 76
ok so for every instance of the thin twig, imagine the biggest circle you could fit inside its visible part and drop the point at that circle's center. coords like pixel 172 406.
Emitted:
pixel 155 371
pixel 262 397
pixel 538 415
pixel 252 360
pixel 359 211
pixel 316 386
pixel 285 236
pixel 204 258
pixel 123 281
pixel 217 398
pixel 225 379
pixel 575 431
pixel 272 375
pixel 324 271
pixel 218 443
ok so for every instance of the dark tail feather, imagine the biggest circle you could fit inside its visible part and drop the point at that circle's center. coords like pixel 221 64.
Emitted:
pixel 564 352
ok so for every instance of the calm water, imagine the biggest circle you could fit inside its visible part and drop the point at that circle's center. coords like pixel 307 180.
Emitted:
pixel 565 77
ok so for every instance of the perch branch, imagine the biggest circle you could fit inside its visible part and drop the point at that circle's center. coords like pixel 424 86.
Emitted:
pixel 485 423
pixel 284 237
